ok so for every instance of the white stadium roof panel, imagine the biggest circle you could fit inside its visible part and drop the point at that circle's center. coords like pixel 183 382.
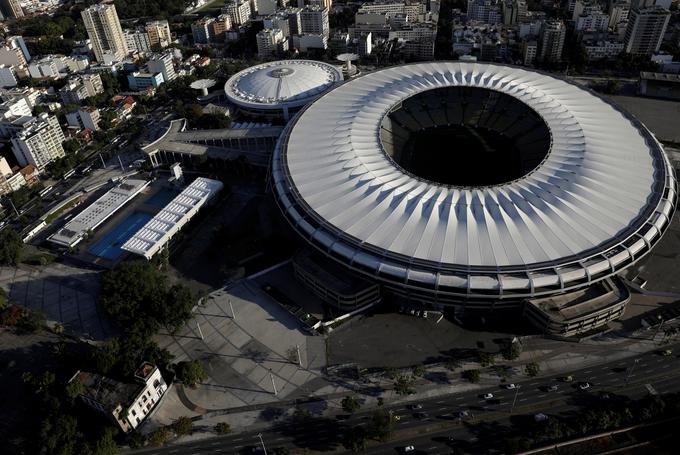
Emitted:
pixel 602 177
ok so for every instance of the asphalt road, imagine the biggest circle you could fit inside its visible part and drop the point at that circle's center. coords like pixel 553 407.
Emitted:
pixel 479 430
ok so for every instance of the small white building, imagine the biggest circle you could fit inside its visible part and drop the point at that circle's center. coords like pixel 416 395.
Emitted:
pixel 127 405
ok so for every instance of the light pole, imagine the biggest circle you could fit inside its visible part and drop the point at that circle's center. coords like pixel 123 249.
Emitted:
pixel 200 332
pixel 514 400
pixel 659 327
pixel 630 370
pixel 259 435
pixel 273 383
pixel 233 315
pixel 297 346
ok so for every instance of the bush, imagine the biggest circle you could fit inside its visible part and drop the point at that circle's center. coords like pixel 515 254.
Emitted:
pixel 182 426
pixel 486 359
pixel 471 375
pixel 532 369
pixel 419 370
pixel 222 428
pixel 159 437
pixel 350 404
pixel 403 385
pixel 191 373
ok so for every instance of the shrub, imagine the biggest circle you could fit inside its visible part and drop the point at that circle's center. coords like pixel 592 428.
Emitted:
pixel 159 437
pixel 471 375
pixel 222 428
pixel 182 425
pixel 191 373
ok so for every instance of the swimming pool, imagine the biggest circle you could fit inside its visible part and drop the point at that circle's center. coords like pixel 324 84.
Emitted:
pixel 108 247
pixel 162 197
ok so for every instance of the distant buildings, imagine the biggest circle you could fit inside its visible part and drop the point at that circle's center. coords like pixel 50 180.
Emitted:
pixel 137 40
pixel 105 33
pixel 162 63
pixel 159 33
pixel 125 404
pixel 81 87
pixel 143 80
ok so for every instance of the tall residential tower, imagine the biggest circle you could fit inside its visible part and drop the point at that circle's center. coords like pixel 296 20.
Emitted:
pixel 106 35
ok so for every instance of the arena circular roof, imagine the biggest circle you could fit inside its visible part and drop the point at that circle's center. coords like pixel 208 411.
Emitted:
pixel 595 201
pixel 289 83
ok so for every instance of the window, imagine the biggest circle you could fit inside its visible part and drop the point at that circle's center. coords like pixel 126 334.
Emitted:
pixel 134 413
pixel 144 398
pixel 157 383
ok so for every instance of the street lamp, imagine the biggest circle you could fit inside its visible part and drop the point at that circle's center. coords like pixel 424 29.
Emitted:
pixel 259 435
pixel 514 400
pixel 630 370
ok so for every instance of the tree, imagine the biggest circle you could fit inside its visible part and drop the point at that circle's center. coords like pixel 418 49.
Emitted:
pixel 355 439
pixel 532 369
pixel 106 445
pixel 222 428
pixel 191 373
pixel 419 370
pixel 403 385
pixel 381 425
pixel 350 404
pixel 73 390
pixel 182 425
pixel 60 436
pixel 511 350
pixel 471 375
pixel 10 247
pixel 40 383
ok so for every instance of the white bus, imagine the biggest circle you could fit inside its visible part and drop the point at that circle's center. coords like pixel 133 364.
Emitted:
pixel 69 174
pixel 45 191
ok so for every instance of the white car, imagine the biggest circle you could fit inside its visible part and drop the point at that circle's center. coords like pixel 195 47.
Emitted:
pixel 409 449
pixel 540 417
pixel 488 396
pixel 584 385
pixel 510 386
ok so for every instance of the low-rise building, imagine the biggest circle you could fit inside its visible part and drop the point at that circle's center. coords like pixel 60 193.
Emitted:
pixel 8 77
pixel 159 33
pixel 142 80
pixel 85 117
pixel 125 404
pixel 162 63
pixel 660 85
pixel 602 49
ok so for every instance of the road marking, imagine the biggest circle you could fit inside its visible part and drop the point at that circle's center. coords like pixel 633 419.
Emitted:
pixel 541 396
pixel 522 399
pixel 588 371
pixel 440 402
pixel 432 448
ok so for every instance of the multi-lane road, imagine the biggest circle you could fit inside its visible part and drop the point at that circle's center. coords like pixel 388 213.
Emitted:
pixel 436 427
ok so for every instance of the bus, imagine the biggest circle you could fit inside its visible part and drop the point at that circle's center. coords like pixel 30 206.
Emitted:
pixel 45 191
pixel 85 170
pixel 69 174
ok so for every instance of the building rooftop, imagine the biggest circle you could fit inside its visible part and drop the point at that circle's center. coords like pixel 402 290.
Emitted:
pixel 166 223
pixel 98 212
pixel 666 77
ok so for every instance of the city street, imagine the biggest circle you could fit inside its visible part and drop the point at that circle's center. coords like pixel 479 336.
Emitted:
pixel 439 416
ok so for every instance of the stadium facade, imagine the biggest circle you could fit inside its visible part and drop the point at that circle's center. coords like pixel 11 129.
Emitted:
pixel 473 185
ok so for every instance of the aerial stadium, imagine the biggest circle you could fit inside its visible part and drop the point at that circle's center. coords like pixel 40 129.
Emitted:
pixel 474 185
pixel 279 89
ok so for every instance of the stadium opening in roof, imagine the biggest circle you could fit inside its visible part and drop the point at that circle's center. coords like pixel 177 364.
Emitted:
pixel 474 185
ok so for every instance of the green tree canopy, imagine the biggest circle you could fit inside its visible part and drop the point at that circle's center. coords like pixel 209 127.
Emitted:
pixel 10 247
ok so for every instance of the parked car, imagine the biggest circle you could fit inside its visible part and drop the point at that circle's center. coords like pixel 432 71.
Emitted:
pixel 416 406
pixel 510 386
pixel 408 449
pixel 553 388
pixel 488 396
pixel 584 385
pixel 540 417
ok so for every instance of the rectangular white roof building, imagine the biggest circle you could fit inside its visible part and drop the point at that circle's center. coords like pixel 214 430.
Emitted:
pixel 99 211
pixel 169 221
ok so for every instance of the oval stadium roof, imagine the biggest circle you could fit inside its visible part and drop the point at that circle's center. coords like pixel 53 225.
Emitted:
pixel 286 82
pixel 600 199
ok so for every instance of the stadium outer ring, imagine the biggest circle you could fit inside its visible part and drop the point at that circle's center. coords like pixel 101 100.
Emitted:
pixel 475 284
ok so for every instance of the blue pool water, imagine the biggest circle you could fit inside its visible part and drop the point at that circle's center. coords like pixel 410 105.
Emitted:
pixel 162 197
pixel 108 247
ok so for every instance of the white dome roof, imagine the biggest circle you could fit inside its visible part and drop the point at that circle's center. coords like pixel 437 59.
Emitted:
pixel 598 200
pixel 286 82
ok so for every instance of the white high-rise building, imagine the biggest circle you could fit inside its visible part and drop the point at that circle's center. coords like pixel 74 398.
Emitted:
pixel 39 143
pixel 162 63
pixel 137 40
pixel 106 35
pixel 314 21
pixel 553 34
pixel 12 8
pixel 645 30
pixel 159 33
pixel 238 10
pixel 269 41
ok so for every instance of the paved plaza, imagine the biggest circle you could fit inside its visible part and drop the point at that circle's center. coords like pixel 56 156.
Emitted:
pixel 64 293
pixel 242 354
